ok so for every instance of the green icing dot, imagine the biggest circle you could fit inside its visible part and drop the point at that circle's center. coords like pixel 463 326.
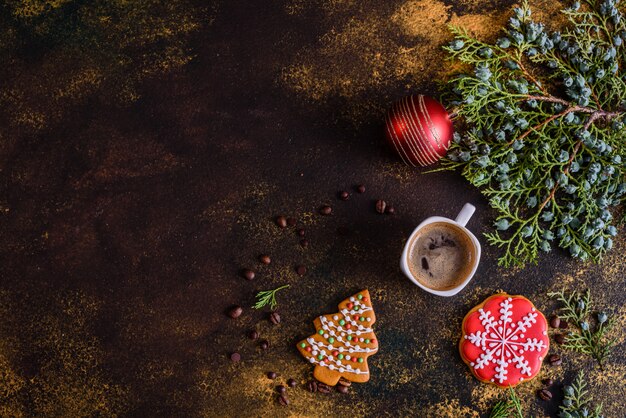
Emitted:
pixel 331 340
pixel 349 337
pixel 360 296
pixel 367 341
pixel 360 360
pixel 303 345
pixel 356 307
pixel 342 322
pixel 320 332
pixel 362 319
pixel 340 356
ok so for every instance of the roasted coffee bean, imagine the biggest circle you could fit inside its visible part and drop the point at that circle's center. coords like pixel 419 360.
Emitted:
pixel 291 221
pixel 235 311
pixel 559 338
pixel 323 388
pixel 312 386
pixel 272 375
pixel 555 360
pixel 390 210
pixel 326 210
pixel 282 399
pixel 248 274
pixel 563 325
pixel 304 243
pixel 344 382
pixel 380 206
pixel 548 382
pixel 342 389
pixel 253 334
pixel 360 188
pixel 281 389
pixel 264 344
pixel 281 221
pixel 555 322
pixel 265 259
pixel 235 357
pixel 344 195
pixel 544 394
pixel 301 270
pixel 292 383
pixel 274 318
pixel 301 232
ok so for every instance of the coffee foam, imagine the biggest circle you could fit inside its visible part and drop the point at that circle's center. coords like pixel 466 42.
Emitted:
pixel 441 256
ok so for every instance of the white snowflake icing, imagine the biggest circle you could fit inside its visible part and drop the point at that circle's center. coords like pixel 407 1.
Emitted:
pixel 503 342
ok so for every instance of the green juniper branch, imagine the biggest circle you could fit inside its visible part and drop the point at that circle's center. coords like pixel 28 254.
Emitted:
pixel 268 297
pixel 508 407
pixel 577 401
pixel 544 140
pixel 585 337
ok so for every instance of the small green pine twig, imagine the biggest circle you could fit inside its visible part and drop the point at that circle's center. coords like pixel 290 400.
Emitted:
pixel 266 297
pixel 577 401
pixel 509 407
pixel 590 332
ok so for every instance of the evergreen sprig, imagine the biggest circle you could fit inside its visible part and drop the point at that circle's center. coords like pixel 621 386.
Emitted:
pixel 266 297
pixel 544 129
pixel 508 407
pixel 585 337
pixel 577 401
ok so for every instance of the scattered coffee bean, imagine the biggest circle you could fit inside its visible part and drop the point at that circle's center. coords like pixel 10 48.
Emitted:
pixel 301 270
pixel 323 387
pixel 555 360
pixel 360 188
pixel 555 322
pixel 291 221
pixel 235 311
pixel 312 386
pixel 344 382
pixel 265 259
pixel 264 344
pixel 281 221
pixel 390 210
pixel 380 206
pixel 304 243
pixel 235 357
pixel 272 375
pixel 544 394
pixel 253 334
pixel 292 383
pixel 563 325
pixel 274 318
pixel 326 210
pixel 301 232
pixel 547 382
pixel 342 389
pixel 344 195
pixel 281 389
pixel 559 338
pixel 282 399
pixel 248 274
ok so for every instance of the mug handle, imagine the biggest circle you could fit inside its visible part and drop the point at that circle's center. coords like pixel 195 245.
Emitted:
pixel 465 214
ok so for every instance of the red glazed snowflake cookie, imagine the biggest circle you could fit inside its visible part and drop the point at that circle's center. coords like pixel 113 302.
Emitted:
pixel 505 340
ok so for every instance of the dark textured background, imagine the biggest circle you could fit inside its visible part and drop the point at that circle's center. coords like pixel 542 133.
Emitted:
pixel 124 226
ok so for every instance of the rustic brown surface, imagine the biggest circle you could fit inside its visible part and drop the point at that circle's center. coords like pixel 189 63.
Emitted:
pixel 124 229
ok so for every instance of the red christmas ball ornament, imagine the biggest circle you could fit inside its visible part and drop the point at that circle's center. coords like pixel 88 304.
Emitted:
pixel 419 129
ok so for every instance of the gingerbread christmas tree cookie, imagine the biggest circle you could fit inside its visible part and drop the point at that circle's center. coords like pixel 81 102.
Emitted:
pixel 505 340
pixel 343 342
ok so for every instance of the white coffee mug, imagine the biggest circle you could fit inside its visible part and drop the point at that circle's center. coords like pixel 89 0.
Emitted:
pixel 461 220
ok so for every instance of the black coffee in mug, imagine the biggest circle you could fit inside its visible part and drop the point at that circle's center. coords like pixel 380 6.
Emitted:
pixel 441 255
